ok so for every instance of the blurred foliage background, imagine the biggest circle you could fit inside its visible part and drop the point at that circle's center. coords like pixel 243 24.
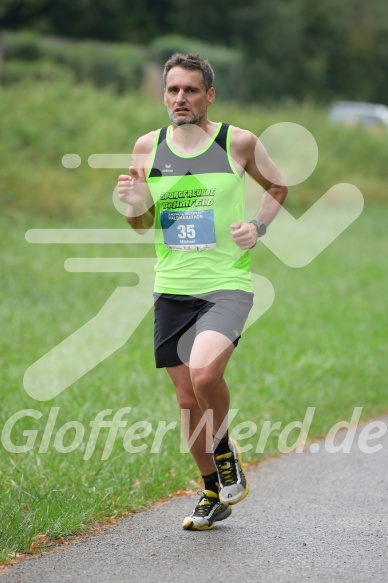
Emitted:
pixel 262 50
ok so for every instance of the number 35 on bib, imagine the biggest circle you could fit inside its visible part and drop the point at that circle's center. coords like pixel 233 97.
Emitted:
pixel 188 230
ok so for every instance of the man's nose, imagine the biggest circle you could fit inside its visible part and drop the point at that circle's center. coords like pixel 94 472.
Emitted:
pixel 181 96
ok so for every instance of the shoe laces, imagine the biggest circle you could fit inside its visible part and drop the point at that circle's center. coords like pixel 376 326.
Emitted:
pixel 205 504
pixel 226 468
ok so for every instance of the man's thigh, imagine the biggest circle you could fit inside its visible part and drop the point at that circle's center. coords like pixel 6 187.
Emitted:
pixel 211 350
pixel 179 320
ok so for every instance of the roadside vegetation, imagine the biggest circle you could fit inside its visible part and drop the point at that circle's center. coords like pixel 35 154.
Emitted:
pixel 322 344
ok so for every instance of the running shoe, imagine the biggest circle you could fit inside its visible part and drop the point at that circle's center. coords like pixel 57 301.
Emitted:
pixel 208 511
pixel 234 485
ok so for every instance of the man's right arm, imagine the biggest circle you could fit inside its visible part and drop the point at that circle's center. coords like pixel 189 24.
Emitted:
pixel 133 189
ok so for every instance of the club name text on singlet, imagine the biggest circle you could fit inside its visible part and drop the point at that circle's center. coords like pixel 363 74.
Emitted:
pixel 197 197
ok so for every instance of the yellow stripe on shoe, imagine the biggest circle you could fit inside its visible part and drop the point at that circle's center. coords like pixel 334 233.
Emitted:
pixel 208 511
pixel 234 485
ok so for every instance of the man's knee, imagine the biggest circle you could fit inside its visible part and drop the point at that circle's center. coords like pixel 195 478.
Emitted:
pixel 204 378
pixel 188 402
pixel 186 397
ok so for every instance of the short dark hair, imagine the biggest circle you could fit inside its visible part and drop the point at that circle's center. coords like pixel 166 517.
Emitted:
pixel 191 61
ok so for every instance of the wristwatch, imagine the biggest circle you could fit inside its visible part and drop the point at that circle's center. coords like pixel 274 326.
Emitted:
pixel 260 227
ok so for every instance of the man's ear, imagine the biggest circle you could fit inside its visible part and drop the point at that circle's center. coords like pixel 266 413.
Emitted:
pixel 211 95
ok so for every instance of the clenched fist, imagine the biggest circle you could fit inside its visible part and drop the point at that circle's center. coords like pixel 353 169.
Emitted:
pixel 243 234
pixel 131 190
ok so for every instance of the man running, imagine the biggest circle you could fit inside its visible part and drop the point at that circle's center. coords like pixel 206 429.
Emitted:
pixel 188 180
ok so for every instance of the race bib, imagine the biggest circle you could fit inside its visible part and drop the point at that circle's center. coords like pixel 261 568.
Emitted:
pixel 188 230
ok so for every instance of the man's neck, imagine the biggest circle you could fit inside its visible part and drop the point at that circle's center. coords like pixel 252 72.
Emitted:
pixel 189 138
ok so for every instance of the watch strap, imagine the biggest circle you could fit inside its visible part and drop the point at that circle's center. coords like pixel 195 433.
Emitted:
pixel 260 227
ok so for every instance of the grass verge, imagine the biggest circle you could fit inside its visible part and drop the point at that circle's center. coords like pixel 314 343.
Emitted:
pixel 322 344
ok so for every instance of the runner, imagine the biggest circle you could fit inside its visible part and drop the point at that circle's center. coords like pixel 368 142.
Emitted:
pixel 187 180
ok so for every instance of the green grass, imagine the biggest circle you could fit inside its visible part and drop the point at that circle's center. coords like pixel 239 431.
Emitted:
pixel 322 344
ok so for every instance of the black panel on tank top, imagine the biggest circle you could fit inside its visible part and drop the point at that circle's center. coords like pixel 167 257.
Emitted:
pixel 213 160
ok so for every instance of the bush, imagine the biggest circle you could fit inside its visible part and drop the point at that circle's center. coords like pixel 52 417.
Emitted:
pixel 15 71
pixel 120 66
pixel 23 46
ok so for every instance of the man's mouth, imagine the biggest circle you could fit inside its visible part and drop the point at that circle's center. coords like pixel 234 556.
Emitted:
pixel 181 110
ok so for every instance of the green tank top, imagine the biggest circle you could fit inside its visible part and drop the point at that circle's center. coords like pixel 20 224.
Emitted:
pixel 197 197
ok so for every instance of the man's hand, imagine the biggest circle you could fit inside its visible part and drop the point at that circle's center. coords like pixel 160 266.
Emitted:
pixel 131 190
pixel 244 234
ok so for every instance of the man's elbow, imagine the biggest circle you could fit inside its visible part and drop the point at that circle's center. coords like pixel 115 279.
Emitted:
pixel 137 225
pixel 281 193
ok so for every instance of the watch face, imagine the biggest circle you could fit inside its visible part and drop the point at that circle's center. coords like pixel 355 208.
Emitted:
pixel 260 227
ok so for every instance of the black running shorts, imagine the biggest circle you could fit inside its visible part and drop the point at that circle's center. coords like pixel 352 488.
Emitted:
pixel 180 318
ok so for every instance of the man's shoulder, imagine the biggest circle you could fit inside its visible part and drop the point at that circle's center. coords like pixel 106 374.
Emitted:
pixel 243 144
pixel 143 149
pixel 243 137
pixel 145 143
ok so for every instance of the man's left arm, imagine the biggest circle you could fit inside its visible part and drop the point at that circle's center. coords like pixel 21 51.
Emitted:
pixel 253 158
